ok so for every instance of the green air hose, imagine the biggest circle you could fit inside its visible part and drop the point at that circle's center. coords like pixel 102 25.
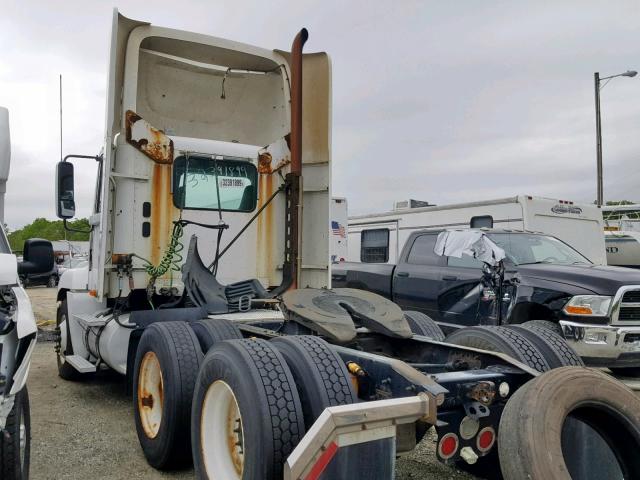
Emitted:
pixel 172 258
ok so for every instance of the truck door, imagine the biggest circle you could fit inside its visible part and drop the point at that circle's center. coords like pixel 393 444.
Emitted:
pixel 416 281
pixel 458 301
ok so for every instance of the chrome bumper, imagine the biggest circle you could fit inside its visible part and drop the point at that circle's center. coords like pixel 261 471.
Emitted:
pixel 605 345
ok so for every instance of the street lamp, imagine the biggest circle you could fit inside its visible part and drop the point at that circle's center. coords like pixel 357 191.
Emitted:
pixel 597 80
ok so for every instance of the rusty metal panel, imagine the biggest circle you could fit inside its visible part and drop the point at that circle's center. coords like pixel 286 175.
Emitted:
pixel 148 139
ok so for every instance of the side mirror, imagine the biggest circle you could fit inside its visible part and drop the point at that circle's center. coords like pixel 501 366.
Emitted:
pixel 8 270
pixel 37 257
pixel 65 203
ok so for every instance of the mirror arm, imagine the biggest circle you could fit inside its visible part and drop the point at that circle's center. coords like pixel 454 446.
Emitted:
pixel 97 158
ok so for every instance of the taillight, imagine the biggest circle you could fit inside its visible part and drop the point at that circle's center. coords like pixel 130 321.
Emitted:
pixel 485 439
pixel 448 446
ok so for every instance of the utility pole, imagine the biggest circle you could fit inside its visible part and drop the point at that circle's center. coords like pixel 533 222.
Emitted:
pixel 600 194
pixel 596 81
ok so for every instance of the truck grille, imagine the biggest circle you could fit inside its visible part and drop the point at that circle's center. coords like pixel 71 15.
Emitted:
pixel 632 296
pixel 629 314
pixel 626 305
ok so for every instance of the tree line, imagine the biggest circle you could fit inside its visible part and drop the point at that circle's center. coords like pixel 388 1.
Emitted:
pixel 49 230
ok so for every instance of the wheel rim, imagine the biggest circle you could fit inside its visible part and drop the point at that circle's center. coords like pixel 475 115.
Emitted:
pixel 150 394
pixel 222 433
pixel 23 441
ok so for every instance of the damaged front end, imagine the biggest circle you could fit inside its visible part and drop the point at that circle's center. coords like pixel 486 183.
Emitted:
pixel 18 332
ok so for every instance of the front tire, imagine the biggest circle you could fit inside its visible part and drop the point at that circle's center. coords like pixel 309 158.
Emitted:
pixel 52 281
pixel 63 345
pixel 166 366
pixel 15 441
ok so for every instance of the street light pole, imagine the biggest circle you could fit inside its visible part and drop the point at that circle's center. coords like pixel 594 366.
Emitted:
pixel 600 194
pixel 596 81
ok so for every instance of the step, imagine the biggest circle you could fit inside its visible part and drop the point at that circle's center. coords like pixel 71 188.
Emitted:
pixel 88 320
pixel 80 364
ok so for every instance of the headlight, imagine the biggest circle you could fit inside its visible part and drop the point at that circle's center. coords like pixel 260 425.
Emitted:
pixel 588 305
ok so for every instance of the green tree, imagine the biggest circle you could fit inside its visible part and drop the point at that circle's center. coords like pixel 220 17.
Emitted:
pixel 49 230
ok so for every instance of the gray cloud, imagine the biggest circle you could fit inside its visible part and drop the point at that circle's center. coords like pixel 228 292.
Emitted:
pixel 442 101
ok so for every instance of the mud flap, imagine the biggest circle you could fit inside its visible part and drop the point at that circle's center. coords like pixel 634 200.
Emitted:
pixel 356 440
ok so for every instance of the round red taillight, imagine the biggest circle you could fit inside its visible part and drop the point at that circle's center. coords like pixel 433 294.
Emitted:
pixel 448 445
pixel 486 438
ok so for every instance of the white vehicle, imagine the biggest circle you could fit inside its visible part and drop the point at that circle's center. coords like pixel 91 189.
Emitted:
pixel 622 234
pixel 379 237
pixel 338 230
pixel 18 333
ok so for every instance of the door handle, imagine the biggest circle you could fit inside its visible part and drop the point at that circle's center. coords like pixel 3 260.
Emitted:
pixel 449 278
pixel 402 274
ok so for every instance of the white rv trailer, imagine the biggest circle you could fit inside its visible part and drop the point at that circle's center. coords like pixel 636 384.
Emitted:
pixel 622 234
pixel 379 237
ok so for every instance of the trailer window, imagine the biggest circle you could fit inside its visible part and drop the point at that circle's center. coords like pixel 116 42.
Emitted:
pixel 374 246
pixel 195 179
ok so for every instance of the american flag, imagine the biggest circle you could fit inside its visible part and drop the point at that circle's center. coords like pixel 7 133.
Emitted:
pixel 338 229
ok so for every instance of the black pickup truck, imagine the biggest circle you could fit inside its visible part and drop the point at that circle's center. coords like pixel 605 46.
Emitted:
pixel 596 308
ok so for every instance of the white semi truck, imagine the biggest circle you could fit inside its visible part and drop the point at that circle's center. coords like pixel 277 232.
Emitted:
pixel 18 333
pixel 208 286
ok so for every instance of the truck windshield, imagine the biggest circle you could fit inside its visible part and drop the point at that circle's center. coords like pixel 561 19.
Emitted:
pixel 527 249
pixel 195 178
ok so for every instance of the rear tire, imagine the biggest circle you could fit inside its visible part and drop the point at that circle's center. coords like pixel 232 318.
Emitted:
pixel 166 366
pixel 15 441
pixel 249 382
pixel 320 375
pixel 554 348
pixel 502 340
pixel 422 324
pixel 546 324
pixel 210 332
pixel 530 438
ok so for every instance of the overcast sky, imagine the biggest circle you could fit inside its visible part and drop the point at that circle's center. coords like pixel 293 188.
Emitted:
pixel 439 101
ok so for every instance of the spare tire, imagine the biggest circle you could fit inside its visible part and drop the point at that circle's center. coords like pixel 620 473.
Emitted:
pixel 551 344
pixel 247 417
pixel 502 340
pixel 211 331
pixel 571 422
pixel 422 324
pixel 166 366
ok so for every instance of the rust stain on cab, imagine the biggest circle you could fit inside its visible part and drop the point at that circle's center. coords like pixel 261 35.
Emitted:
pixel 161 211
pixel 265 229
pixel 148 139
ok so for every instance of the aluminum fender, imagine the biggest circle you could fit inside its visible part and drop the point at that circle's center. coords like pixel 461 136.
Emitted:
pixel 22 372
pixel 74 279
pixel 25 319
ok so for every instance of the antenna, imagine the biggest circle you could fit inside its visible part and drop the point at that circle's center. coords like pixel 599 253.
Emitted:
pixel 61 117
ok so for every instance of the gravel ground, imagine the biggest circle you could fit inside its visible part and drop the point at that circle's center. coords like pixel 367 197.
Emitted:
pixel 85 430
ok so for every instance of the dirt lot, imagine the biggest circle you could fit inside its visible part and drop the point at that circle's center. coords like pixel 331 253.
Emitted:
pixel 85 430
